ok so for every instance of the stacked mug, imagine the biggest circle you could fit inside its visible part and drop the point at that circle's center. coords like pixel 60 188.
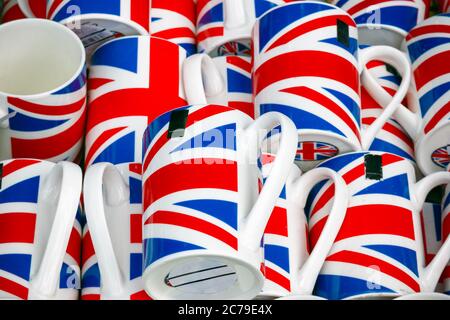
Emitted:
pixel 231 149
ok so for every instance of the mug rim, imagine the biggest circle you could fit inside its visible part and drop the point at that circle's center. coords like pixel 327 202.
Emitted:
pixel 63 28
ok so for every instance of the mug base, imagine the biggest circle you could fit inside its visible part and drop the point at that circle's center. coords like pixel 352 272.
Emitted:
pixel 198 275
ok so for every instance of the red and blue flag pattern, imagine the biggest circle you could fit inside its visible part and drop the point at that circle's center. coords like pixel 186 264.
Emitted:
pixel 445 234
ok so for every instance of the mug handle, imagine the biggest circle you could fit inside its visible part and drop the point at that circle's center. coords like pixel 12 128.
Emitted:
pixel 256 221
pixel 432 272
pixel 201 79
pixel 234 13
pixel 390 104
pixel 309 271
pixel 45 283
pixel 103 182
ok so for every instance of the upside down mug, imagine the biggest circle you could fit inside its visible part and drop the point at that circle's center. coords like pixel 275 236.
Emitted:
pixel 203 223
pixel 42 91
pixel 306 65
pixel 379 251
pixel 289 267
pixel 428 48
pixel 112 242
pixel 94 21
pixel 39 230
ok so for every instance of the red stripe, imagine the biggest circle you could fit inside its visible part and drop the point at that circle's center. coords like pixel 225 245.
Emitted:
pixel 200 5
pixel 389 127
pixel 136 228
pixel 141 295
pixel 90 297
pixel 427 70
pixel 240 63
pixel 309 26
pixel 164 68
pixel 276 277
pixel 135 168
pixel 441 114
pixel 14 13
pixel 13 288
pixel 95 83
pixel 193 223
pixel 323 200
pixel 48 110
pixel 278 222
pixel 185 8
pixel 209 33
pixel 326 103
pixel 74 246
pixel 369 261
pixel 178 177
pixel 374 64
pixel 39 8
pixel 246 107
pixel 52 9
pixel 88 247
pixel 18 164
pixel 306 63
pixel 175 33
pixel 193 117
pixel 17 227
pixel 52 146
pixel 440 28
pixel 446 227
pixel 140 12
pixel 100 141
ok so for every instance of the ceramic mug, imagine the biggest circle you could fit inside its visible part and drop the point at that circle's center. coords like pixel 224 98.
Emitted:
pixel 132 81
pixel 289 267
pixel 95 21
pixel 307 66
pixel 174 20
pixel 39 230
pixel 428 47
pixel 379 250
pixel 385 22
pixel 224 26
pixel 225 80
pixel 392 137
pixel 42 91
pixel 204 222
pixel 112 242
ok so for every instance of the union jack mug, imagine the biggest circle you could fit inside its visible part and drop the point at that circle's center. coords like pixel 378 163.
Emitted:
pixel 289 267
pixel 224 26
pixel 392 137
pixel 428 47
pixel 96 21
pixel 42 91
pixel 306 65
pixel 11 11
pixel 203 216
pixel 39 230
pixel 174 20
pixel 225 80
pixel 112 238
pixel 379 250
pixel 385 22
pixel 132 81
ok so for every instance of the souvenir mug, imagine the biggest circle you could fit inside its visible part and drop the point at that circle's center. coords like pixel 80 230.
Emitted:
pixel 132 81
pixel 11 11
pixel 392 137
pixel 224 26
pixel 203 223
pixel 428 46
pixel 174 20
pixel 384 22
pixel 97 21
pixel 112 242
pixel 305 65
pixel 446 232
pixel 289 267
pixel 379 250
pixel 42 91
pixel 39 230
pixel 225 80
